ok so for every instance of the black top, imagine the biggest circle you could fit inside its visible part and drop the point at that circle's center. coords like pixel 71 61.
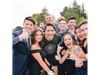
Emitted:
pixel 50 47
pixel 81 44
pixel 42 53
pixel 88 47
pixel 35 66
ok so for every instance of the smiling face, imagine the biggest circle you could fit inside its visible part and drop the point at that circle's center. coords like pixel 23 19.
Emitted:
pixel 79 34
pixel 38 36
pixel 49 32
pixel 84 30
pixel 28 26
pixel 62 25
pixel 68 41
pixel 72 24
pixel 49 18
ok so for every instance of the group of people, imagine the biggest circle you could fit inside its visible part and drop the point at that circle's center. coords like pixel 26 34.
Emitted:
pixel 50 49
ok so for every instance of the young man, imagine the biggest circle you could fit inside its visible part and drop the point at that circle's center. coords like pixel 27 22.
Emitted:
pixel 49 19
pixel 63 31
pixel 42 24
pixel 84 30
pixel 51 41
pixel 83 25
pixel 71 25
pixel 20 47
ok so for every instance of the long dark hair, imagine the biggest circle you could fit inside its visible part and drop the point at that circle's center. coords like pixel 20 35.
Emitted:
pixel 41 43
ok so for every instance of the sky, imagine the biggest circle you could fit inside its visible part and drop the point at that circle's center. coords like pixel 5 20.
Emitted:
pixel 23 8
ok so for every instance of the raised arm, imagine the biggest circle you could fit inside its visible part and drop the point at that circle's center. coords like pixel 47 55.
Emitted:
pixel 58 57
pixel 61 60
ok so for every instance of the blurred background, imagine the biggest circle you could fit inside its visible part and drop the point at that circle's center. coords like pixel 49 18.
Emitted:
pixel 39 8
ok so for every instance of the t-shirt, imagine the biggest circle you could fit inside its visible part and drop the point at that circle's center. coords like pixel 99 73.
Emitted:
pixel 50 47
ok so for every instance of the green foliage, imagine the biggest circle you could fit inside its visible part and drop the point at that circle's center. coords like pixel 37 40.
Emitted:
pixel 76 11
pixel 41 16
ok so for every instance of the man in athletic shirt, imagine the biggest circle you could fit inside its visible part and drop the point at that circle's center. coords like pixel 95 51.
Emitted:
pixel 51 41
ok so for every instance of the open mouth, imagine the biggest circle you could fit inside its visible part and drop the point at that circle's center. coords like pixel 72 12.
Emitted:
pixel 80 37
pixel 68 45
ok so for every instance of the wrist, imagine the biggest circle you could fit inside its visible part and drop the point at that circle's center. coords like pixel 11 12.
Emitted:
pixel 58 53
pixel 50 73
pixel 20 37
pixel 57 57
pixel 50 65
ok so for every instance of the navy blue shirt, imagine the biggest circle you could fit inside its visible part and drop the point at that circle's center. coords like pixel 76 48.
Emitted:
pixel 62 35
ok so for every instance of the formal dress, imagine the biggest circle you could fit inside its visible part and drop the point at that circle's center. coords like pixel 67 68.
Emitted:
pixel 36 68
pixel 20 55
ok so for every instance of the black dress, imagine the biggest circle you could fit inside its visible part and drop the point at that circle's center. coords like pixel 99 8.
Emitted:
pixel 36 68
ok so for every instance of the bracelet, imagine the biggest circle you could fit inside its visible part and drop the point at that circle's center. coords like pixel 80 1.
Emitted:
pixel 57 57
pixel 50 65
pixel 50 73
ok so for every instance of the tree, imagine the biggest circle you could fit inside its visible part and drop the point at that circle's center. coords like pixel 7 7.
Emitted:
pixel 83 12
pixel 37 18
pixel 41 16
pixel 44 11
pixel 75 4
pixel 76 10
pixel 64 11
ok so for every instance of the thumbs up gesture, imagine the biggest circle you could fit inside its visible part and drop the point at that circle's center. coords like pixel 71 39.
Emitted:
pixel 24 35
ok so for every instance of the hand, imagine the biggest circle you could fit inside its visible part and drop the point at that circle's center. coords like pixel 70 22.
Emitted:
pixel 72 56
pixel 52 68
pixel 50 73
pixel 78 63
pixel 63 52
pixel 59 48
pixel 24 35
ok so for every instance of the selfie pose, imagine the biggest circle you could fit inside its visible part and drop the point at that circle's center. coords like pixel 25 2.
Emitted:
pixel 38 54
pixel 21 47
pixel 70 53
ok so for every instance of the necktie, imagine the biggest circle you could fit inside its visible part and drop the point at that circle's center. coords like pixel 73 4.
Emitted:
pixel 72 32
pixel 29 43
pixel 60 40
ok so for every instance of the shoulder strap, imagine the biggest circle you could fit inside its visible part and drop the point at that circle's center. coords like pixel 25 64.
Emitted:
pixel 36 51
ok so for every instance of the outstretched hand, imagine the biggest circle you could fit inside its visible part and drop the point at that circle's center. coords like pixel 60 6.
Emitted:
pixel 72 56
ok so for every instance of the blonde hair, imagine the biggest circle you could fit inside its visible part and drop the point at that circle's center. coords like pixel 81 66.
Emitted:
pixel 48 15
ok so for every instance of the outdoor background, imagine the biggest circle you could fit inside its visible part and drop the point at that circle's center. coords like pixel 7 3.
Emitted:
pixel 39 8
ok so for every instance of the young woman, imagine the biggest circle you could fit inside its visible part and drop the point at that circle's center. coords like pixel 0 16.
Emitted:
pixel 38 54
pixel 70 52
pixel 72 48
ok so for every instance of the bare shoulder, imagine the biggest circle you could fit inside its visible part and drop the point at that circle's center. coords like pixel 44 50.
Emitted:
pixel 76 46
pixel 33 47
